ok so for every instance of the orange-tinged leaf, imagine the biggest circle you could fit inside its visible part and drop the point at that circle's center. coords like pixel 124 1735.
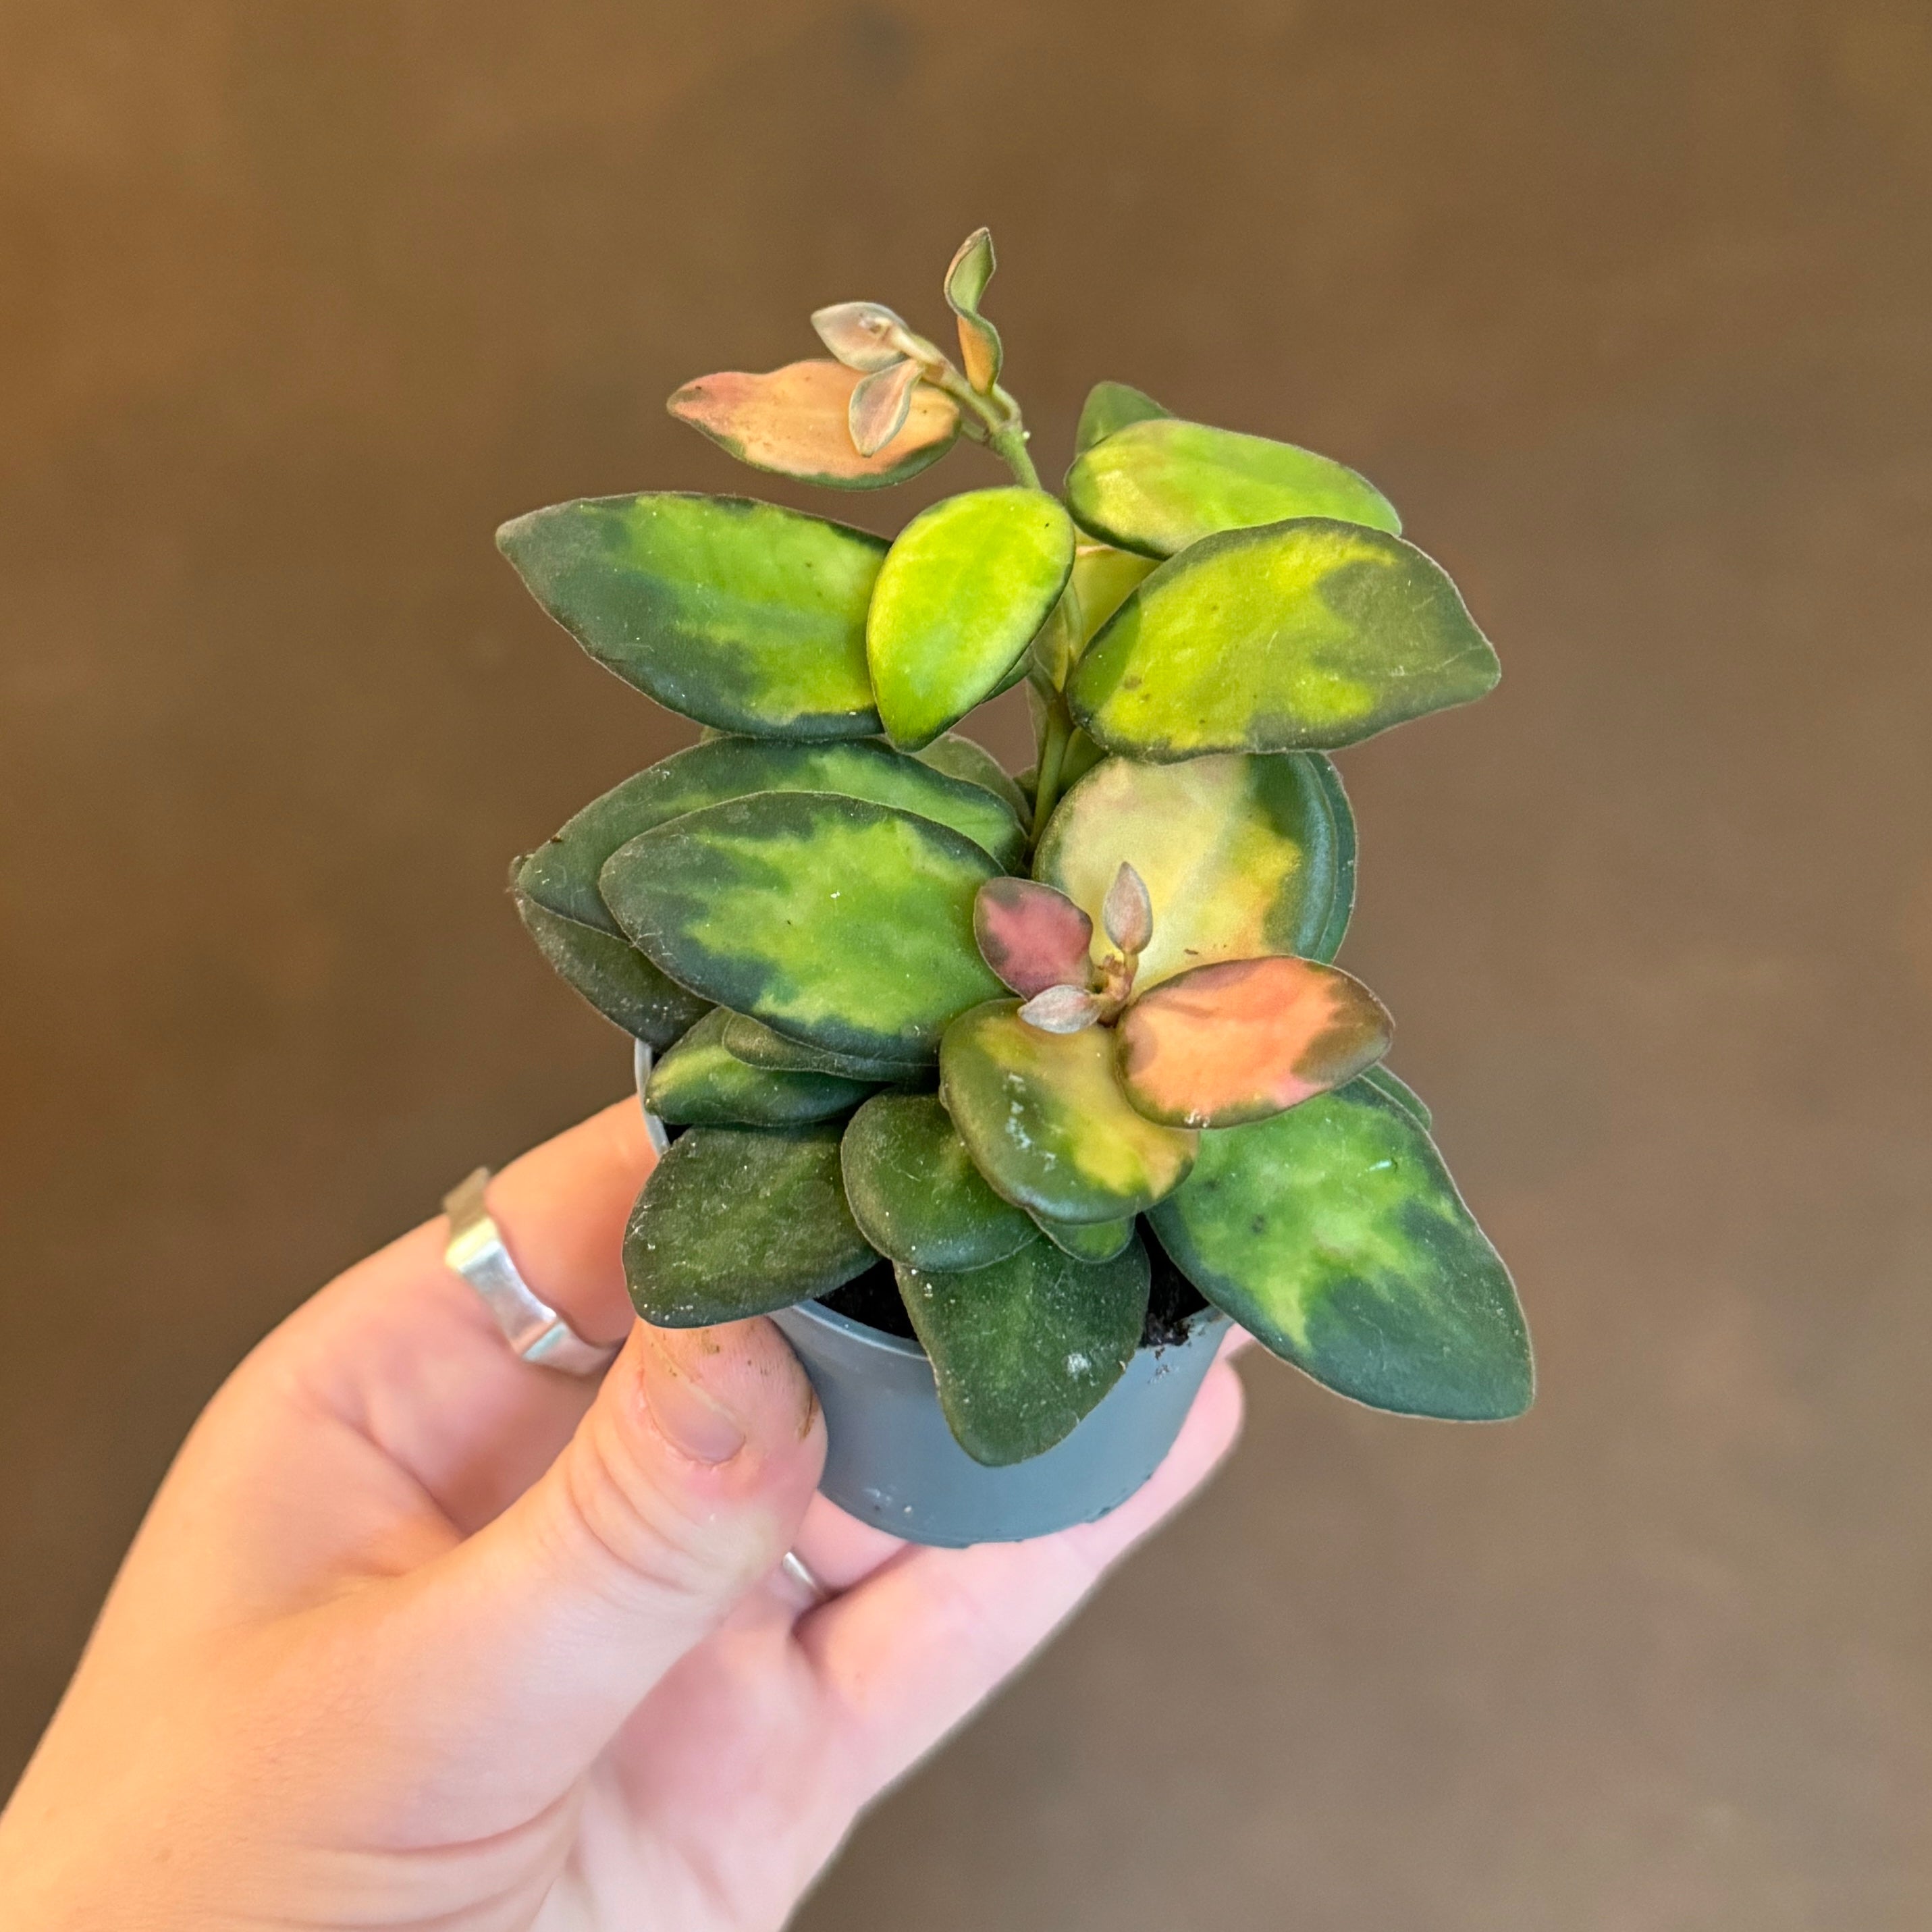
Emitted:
pixel 1239 1041
pixel 1032 937
pixel 979 351
pixel 794 422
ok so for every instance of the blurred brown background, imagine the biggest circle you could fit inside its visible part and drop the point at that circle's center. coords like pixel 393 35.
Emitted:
pixel 1626 303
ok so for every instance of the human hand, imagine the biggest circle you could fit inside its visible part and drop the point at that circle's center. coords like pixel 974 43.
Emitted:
pixel 415 1633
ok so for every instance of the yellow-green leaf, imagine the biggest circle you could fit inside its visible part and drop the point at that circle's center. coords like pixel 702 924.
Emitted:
pixel 1299 637
pixel 914 1191
pixel 1101 580
pixel 1021 1350
pixel 1238 855
pixel 1044 1117
pixel 966 584
pixel 1227 1044
pixel 795 422
pixel 839 922
pixel 1111 406
pixel 741 615
pixel 1333 1233
pixel 1159 485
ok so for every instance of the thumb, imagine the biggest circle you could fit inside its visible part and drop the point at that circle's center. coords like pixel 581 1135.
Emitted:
pixel 683 1487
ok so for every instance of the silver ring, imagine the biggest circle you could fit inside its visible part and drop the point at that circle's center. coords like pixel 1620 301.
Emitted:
pixel 794 1567
pixel 533 1329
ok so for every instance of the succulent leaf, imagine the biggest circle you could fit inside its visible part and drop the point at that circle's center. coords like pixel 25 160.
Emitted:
pixel 914 1191
pixel 738 1221
pixel 701 1083
pixel 966 585
pixel 1033 936
pixel 1238 855
pixel 606 970
pixel 841 923
pixel 1045 1118
pixel 797 422
pixel 738 614
pixel 979 351
pixel 757 1045
pixel 1391 1087
pixel 1127 913
pixel 881 404
pixel 960 758
pixel 1022 1349
pixel 1087 1240
pixel 562 872
pixel 1158 485
pixel 1334 1233
pixel 1342 819
pixel 1110 407
pixel 863 335
pixel 1301 636
pixel 1227 1044
pixel 1061 1009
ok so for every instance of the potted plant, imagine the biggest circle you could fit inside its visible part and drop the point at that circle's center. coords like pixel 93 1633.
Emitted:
pixel 1004 1092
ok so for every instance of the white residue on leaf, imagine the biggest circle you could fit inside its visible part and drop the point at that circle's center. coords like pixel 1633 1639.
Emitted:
pixel 1077 1364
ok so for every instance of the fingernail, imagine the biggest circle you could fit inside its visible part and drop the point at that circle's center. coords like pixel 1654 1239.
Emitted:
pixel 670 1366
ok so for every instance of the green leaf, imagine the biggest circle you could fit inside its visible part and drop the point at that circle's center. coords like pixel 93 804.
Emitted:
pixel 1300 637
pixel 757 1045
pixel 841 923
pixel 1390 1088
pixel 701 1083
pixel 915 1192
pixel 1087 1240
pixel 1238 855
pixel 1023 1349
pixel 795 422
pixel 736 1222
pixel 1333 1233
pixel 1342 817
pixel 738 614
pixel 1111 406
pixel 1044 1119
pixel 1158 486
pixel 561 874
pixel 960 758
pixel 612 974
pixel 966 585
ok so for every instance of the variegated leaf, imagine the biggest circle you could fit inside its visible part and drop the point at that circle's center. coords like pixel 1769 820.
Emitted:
pixel 1227 1044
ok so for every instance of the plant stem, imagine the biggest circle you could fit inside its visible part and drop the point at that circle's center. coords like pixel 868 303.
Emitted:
pixel 998 415
pixel 1057 735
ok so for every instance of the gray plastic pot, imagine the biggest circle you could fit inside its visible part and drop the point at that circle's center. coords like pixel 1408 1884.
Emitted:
pixel 891 1460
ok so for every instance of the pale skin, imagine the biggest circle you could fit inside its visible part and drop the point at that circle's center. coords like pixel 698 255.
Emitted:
pixel 416 1635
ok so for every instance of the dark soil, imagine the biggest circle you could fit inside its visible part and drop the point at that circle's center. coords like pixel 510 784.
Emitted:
pixel 873 1298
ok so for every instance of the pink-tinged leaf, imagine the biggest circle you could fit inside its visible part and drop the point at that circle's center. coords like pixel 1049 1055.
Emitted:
pixel 879 405
pixel 1239 1041
pixel 795 422
pixel 1031 936
pixel 864 336
pixel 1127 912
pixel 1061 1009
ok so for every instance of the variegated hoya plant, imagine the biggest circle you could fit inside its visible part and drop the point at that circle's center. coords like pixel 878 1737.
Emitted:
pixel 1042 1045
